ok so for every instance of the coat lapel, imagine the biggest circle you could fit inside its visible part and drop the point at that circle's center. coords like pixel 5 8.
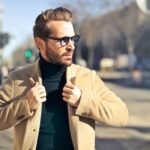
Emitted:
pixel 81 128
pixel 34 73
pixel 73 119
pixel 35 76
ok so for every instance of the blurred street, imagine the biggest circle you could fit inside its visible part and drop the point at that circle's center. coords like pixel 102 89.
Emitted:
pixel 135 136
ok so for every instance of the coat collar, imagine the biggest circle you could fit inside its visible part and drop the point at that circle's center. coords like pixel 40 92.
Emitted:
pixel 71 73
pixel 35 73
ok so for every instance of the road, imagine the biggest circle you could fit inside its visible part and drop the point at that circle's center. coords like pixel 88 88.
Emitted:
pixel 135 136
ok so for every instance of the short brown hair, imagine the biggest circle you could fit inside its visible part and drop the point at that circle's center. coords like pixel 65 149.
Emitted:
pixel 41 29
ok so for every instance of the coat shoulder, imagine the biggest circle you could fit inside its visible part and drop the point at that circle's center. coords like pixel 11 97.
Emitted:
pixel 80 70
pixel 22 71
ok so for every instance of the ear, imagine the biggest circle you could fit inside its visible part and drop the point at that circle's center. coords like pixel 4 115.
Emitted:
pixel 40 43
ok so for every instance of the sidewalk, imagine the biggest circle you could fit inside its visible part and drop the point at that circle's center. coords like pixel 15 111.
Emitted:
pixel 127 138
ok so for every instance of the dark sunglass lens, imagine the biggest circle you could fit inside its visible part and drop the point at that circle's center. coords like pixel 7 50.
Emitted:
pixel 76 38
pixel 64 41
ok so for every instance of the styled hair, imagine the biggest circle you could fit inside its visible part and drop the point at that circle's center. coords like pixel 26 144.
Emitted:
pixel 41 28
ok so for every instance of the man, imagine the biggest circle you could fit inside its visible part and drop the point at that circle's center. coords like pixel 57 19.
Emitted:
pixel 52 103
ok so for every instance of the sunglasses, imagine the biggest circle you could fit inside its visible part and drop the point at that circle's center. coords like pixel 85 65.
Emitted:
pixel 65 40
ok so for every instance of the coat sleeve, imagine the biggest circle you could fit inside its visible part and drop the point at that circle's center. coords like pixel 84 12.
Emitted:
pixel 102 105
pixel 12 109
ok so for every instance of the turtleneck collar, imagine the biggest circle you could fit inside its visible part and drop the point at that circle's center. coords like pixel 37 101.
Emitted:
pixel 49 70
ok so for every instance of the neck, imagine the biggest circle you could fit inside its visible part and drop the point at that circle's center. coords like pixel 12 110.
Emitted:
pixel 48 69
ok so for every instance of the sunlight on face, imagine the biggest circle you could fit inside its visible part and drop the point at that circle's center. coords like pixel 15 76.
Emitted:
pixel 55 53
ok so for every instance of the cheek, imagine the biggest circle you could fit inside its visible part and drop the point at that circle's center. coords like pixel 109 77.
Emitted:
pixel 56 49
pixel 56 53
pixel 60 51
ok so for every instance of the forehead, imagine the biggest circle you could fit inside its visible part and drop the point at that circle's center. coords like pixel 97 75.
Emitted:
pixel 61 28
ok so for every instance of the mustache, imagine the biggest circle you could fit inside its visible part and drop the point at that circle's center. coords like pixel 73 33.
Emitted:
pixel 68 53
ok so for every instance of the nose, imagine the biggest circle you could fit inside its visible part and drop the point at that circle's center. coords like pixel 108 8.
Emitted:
pixel 70 45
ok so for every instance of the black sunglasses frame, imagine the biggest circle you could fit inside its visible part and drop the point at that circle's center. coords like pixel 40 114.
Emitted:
pixel 65 40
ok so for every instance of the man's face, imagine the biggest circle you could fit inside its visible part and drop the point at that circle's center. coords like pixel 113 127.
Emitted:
pixel 54 52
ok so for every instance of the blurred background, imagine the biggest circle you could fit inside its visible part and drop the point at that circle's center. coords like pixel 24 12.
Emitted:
pixel 115 41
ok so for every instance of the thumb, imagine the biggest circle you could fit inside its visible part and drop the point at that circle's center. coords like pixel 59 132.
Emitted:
pixel 36 83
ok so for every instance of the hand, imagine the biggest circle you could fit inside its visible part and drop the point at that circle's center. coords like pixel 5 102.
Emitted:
pixel 71 94
pixel 36 95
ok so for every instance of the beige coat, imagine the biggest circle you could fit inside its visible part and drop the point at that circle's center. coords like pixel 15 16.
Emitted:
pixel 97 103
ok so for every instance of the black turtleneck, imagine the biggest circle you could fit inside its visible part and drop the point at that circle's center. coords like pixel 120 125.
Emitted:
pixel 54 131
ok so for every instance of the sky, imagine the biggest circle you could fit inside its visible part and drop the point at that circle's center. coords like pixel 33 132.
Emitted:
pixel 18 19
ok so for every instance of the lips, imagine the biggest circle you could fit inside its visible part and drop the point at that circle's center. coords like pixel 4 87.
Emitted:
pixel 68 54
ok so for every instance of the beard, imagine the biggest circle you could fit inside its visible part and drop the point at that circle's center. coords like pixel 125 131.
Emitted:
pixel 54 58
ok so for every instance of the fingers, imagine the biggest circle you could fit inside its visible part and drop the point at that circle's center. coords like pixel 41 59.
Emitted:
pixel 40 95
pixel 68 89
pixel 39 92
pixel 67 95
pixel 69 85
pixel 38 89
pixel 37 83
pixel 71 94
pixel 35 95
